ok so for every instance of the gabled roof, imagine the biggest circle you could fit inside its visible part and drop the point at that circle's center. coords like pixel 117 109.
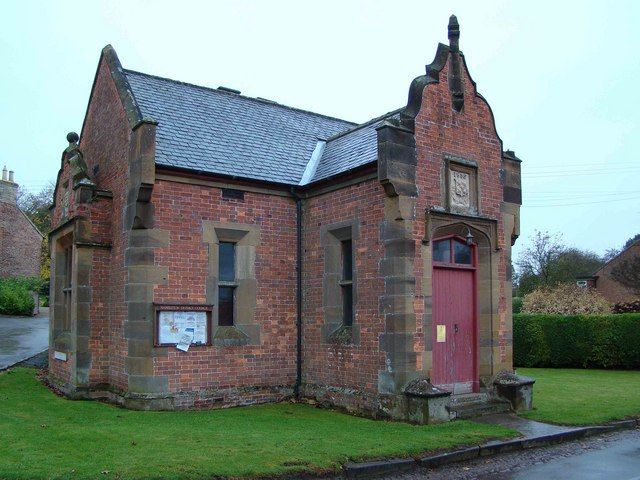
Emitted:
pixel 221 132
pixel 627 251
pixel 217 131
pixel 351 149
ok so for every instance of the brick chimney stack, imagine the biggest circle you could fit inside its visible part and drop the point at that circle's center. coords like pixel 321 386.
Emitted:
pixel 8 188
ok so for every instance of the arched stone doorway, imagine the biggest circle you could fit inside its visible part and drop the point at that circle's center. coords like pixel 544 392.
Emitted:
pixel 454 314
pixel 484 286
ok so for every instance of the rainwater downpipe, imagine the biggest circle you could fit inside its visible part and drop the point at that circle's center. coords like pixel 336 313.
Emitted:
pixel 298 386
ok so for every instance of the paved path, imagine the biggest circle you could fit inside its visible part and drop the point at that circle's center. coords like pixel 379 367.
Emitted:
pixel 614 456
pixel 528 428
pixel 23 337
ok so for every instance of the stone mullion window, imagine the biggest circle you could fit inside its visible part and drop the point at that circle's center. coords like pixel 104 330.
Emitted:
pixel 346 284
pixel 226 283
pixel 339 297
pixel 231 282
pixel 67 288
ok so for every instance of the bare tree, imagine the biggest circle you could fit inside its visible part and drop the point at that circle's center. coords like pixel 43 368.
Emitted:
pixel 36 206
pixel 538 258
pixel 537 262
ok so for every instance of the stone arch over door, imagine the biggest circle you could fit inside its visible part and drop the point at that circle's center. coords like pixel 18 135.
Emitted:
pixel 484 232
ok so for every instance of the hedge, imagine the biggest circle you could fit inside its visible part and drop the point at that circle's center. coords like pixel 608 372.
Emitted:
pixel 577 341
pixel 16 297
pixel 517 304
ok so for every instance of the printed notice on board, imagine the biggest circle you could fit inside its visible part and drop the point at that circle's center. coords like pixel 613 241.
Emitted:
pixel 441 333
pixel 185 340
pixel 174 325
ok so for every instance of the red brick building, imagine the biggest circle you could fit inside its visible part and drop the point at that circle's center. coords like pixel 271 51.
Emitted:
pixel 287 252
pixel 602 279
pixel 20 239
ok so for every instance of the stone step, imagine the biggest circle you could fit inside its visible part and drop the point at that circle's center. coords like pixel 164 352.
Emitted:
pixel 467 398
pixel 478 409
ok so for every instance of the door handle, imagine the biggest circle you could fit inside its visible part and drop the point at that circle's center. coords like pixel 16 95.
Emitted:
pixel 455 327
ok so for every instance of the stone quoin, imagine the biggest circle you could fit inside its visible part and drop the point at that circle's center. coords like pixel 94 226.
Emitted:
pixel 211 249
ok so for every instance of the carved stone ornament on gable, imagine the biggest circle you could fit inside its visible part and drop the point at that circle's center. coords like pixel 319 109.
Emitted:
pixel 66 197
pixel 459 190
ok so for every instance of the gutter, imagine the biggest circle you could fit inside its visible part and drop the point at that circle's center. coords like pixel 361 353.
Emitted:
pixel 298 384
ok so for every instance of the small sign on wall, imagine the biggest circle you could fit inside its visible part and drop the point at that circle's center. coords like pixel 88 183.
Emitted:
pixel 441 333
pixel 60 356
pixel 183 325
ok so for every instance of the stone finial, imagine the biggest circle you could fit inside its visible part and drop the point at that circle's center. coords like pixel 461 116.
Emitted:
pixel 454 33
pixel 11 176
pixel 72 138
pixel 455 69
pixel 5 174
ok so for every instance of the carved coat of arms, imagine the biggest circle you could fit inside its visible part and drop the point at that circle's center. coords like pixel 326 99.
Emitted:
pixel 459 189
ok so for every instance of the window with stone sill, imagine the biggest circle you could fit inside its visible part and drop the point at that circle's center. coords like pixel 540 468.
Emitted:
pixel 62 294
pixel 340 283
pixel 231 282
pixel 227 283
pixel 346 284
pixel 67 287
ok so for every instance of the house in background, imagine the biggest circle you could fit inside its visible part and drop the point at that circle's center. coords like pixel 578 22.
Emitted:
pixel 211 249
pixel 20 239
pixel 603 282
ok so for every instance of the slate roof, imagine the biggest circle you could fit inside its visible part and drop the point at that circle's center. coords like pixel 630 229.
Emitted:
pixel 351 149
pixel 216 131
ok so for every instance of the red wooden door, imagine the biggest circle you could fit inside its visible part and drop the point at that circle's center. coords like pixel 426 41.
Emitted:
pixel 454 317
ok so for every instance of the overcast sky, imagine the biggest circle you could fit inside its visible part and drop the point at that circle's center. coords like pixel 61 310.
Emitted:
pixel 562 78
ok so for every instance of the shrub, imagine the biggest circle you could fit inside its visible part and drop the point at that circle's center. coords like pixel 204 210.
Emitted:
pixel 628 307
pixel 517 304
pixel 15 295
pixel 577 341
pixel 565 299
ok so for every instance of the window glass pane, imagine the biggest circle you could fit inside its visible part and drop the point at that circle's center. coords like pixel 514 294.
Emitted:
pixel 462 253
pixel 347 305
pixel 68 252
pixel 225 306
pixel 347 260
pixel 442 251
pixel 226 262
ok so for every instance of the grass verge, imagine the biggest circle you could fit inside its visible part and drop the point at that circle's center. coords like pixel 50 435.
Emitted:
pixel 45 436
pixel 582 397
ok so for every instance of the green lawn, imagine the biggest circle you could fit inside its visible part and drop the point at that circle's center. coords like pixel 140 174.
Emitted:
pixel 580 397
pixel 45 436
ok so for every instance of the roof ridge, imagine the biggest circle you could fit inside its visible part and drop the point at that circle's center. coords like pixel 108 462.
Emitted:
pixel 365 124
pixel 223 92
pixel 616 256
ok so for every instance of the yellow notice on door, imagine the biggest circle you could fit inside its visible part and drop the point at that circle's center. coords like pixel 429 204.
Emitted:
pixel 441 333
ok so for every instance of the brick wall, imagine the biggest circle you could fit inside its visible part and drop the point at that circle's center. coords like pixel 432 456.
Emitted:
pixel 613 291
pixel 334 368
pixel 20 243
pixel 105 145
pixel 181 209
pixel 471 134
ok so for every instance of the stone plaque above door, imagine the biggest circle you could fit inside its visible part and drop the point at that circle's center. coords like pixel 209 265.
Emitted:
pixel 461 185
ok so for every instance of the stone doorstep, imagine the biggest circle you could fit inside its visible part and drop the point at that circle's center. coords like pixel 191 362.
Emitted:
pixel 396 465
pixel 465 398
pixel 472 405
pixel 473 410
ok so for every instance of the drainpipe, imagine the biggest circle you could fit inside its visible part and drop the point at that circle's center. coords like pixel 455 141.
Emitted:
pixel 298 384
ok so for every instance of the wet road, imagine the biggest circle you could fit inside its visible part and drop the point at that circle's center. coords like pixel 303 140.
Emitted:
pixel 614 456
pixel 23 337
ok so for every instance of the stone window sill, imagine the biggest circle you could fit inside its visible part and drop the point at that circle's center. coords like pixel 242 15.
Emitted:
pixel 230 336
pixel 345 335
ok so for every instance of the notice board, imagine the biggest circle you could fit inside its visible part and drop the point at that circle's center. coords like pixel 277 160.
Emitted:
pixel 175 320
